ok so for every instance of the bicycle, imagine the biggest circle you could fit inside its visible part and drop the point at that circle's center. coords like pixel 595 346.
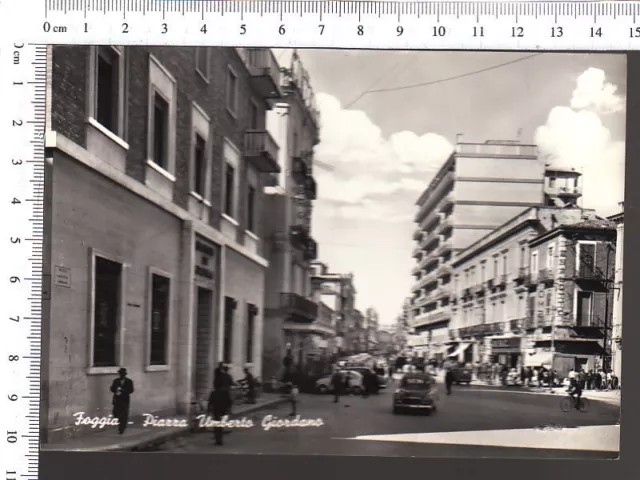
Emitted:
pixel 569 403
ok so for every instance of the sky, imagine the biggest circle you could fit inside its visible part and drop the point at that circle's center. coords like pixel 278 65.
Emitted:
pixel 386 146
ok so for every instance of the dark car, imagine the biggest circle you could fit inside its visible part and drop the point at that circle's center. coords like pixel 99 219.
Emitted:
pixel 416 391
pixel 462 374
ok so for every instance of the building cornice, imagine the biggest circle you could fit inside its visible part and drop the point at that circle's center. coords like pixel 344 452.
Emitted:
pixel 57 141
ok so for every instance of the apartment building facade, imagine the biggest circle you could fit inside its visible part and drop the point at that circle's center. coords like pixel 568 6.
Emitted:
pixel 616 334
pixel 157 157
pixel 534 292
pixel 294 319
pixel 478 188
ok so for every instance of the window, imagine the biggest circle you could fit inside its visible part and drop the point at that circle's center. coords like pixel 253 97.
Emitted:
pixel 583 310
pixel 229 188
pixel 548 301
pixel 160 306
pixel 504 264
pixel 552 182
pixel 230 305
pixel 550 253
pixel 482 273
pixel 586 263
pixel 160 131
pixel 202 62
pixel 523 257
pixel 255 115
pixel 199 166
pixel 107 312
pixel 232 91
pixel 251 201
pixel 252 312
pixel 495 268
pixel 108 88
pixel 534 262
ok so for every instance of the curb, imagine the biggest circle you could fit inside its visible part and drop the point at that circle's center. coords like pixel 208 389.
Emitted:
pixel 160 438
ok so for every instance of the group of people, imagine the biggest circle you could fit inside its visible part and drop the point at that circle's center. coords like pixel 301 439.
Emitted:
pixel 595 380
pixel 341 383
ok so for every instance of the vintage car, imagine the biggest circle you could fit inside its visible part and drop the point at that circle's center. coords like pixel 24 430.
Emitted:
pixel 416 391
pixel 462 374
pixel 382 380
pixel 356 383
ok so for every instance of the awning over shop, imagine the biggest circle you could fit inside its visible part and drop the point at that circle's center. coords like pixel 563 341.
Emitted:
pixel 461 348
pixel 541 359
pixel 575 347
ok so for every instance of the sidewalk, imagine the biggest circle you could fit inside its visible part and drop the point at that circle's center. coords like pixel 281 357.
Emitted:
pixel 137 437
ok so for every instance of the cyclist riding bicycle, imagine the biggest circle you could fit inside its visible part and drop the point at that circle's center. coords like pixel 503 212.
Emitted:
pixel 575 392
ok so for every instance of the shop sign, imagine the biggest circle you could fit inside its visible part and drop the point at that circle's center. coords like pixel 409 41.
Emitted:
pixel 62 276
pixel 504 343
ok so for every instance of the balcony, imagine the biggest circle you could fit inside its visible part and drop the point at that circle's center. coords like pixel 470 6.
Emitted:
pixel 298 308
pixel 529 323
pixel 563 191
pixel 417 234
pixel 446 223
pixel 515 325
pixel 545 275
pixel 444 247
pixel 494 328
pixel 501 281
pixel 429 239
pixel 521 275
pixel 496 149
pixel 447 202
pixel 444 269
pixel 431 203
pixel 594 279
pixel 417 252
pixel 453 334
pixel 264 71
pixel 261 150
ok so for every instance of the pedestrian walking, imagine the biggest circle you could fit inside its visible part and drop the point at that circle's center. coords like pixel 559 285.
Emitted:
pixel 217 375
pixel 292 393
pixel 588 377
pixel 448 380
pixel 250 382
pixel 226 384
pixel 218 407
pixel 337 383
pixel 122 388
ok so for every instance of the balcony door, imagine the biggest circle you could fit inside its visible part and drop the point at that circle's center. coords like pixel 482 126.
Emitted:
pixel 583 309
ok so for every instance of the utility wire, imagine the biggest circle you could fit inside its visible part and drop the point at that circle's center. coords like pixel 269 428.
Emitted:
pixel 368 89
pixel 442 80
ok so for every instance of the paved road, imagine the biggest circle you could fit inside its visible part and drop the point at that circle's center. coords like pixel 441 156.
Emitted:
pixel 468 409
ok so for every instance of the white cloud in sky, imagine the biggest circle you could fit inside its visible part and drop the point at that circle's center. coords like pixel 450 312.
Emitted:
pixel 594 93
pixel 577 137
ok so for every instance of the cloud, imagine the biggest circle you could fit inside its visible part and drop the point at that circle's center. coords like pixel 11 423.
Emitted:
pixel 576 137
pixel 594 93
pixel 368 165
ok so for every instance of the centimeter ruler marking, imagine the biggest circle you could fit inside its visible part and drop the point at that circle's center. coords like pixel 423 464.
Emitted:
pixel 315 24
pixel 22 173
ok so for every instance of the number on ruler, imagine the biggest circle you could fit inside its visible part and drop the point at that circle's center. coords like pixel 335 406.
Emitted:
pixel 634 32
pixel 282 30
pixel 16 161
pixel 556 32
pixel 17 319
pixel 14 280
pixel 15 201
pixel 17 123
pixel 125 28
pixel 12 397
pixel 596 32
pixel 15 240
pixel 439 31
pixel 10 475
pixel 360 30
pixel 243 29
pixel 321 27
pixel 204 28
pixel 165 28
pixel 400 30
pixel 517 32
pixel 478 31
pixel 12 437
pixel 14 358
pixel 86 28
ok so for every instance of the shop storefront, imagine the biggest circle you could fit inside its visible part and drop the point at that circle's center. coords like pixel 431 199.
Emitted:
pixel 507 351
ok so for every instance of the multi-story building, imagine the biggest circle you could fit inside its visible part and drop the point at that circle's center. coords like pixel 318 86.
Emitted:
pixel 616 346
pixel 290 310
pixel 372 326
pixel 477 189
pixel 535 291
pixel 154 245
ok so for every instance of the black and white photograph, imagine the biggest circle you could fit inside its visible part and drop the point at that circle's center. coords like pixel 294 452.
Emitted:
pixel 333 252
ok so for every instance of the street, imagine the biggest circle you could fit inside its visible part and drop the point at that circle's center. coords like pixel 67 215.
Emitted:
pixel 468 409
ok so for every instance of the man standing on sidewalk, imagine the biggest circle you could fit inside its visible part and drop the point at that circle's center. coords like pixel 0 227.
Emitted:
pixel 448 380
pixel 122 388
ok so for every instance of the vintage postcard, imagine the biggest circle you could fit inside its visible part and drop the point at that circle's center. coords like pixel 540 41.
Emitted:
pixel 333 252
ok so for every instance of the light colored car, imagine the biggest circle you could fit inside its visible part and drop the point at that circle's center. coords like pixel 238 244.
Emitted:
pixel 356 384
pixel 416 391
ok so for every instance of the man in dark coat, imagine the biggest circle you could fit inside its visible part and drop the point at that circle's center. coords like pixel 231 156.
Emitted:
pixel 217 375
pixel 122 388
pixel 337 383
pixel 226 383
pixel 218 407
pixel 251 386
pixel 449 378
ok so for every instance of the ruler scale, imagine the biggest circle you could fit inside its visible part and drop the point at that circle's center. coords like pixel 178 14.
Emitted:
pixel 565 26
pixel 23 88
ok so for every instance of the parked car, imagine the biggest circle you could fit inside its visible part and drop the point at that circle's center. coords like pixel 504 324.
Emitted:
pixel 462 374
pixel 356 384
pixel 416 391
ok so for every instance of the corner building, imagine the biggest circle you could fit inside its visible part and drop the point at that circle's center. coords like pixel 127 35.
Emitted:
pixel 477 189
pixel 157 160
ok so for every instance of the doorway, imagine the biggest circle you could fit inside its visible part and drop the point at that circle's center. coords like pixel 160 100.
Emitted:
pixel 203 311
pixel 583 313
